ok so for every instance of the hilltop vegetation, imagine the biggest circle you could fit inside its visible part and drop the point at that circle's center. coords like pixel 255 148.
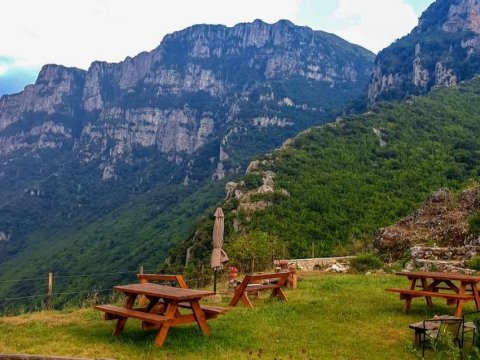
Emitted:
pixel 350 178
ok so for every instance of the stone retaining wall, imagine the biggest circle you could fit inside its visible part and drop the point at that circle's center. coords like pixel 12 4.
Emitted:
pixel 318 264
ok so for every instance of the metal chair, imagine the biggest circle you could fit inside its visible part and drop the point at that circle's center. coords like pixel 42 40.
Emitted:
pixel 471 321
pixel 437 329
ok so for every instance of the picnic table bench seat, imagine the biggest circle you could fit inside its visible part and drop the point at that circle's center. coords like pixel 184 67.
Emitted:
pixel 251 283
pixel 113 312
pixel 208 310
pixel 407 293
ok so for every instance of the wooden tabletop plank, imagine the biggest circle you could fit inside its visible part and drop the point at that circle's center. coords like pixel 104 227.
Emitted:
pixel 164 292
pixel 439 276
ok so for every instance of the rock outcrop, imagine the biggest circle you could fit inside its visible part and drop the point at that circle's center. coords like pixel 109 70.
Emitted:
pixel 442 221
pixel 442 50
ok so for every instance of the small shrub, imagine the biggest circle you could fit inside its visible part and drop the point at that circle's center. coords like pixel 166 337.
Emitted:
pixel 474 225
pixel 253 181
pixel 367 261
pixel 474 263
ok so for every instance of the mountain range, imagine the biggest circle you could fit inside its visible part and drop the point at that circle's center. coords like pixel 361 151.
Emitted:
pixel 107 168
pixel 111 168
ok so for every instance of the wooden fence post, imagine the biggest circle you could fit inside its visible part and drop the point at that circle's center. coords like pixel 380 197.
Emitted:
pixel 50 291
pixel 141 270
pixel 203 278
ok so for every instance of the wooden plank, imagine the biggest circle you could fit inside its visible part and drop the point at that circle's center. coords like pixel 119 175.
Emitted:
pixel 164 292
pixel 200 317
pixel 137 314
pixel 420 293
pixel 440 276
pixel 206 309
pixel 122 321
pixel 239 291
pixel 163 332
pixel 250 288
pixel 267 276
pixel 145 278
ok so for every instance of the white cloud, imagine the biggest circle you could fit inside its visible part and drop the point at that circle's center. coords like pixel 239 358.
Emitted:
pixel 374 24
pixel 75 33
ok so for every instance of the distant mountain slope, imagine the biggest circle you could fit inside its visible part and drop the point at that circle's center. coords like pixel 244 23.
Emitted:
pixel 341 182
pixel 443 49
pixel 83 153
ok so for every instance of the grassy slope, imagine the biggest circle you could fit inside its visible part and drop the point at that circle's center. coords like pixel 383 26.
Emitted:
pixel 328 317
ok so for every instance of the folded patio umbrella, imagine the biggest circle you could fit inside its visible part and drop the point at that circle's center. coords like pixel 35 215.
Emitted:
pixel 219 256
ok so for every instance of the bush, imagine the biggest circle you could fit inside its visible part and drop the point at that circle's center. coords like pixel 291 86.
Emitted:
pixel 474 263
pixel 256 247
pixel 367 261
pixel 253 181
pixel 474 225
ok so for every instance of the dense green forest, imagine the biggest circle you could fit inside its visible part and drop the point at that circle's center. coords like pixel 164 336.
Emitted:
pixel 362 173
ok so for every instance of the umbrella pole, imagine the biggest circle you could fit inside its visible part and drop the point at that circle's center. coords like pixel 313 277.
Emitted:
pixel 215 281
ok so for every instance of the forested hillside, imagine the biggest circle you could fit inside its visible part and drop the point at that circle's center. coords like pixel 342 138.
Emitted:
pixel 337 184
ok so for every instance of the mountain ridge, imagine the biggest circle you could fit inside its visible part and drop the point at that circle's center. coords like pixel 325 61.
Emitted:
pixel 442 50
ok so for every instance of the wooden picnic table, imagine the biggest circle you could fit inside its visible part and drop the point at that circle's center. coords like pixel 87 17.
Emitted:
pixel 162 311
pixel 455 288
pixel 252 284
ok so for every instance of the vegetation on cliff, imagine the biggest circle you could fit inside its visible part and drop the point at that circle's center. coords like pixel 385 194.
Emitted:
pixel 348 179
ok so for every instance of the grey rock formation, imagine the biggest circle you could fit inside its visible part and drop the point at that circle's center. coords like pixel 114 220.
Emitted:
pixel 441 51
pixel 194 88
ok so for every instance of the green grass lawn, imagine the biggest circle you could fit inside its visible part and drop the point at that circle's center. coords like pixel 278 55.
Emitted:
pixel 327 317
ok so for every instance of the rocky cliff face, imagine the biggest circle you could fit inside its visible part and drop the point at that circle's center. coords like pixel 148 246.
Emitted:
pixel 200 85
pixel 441 221
pixel 441 51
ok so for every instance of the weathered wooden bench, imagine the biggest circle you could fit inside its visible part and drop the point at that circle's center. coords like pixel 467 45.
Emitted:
pixel 250 284
pixel 113 312
pixel 406 294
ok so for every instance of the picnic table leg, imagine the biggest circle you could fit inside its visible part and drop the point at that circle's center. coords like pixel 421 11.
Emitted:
pixel 240 292
pixel 425 287
pixel 458 310
pixel 172 308
pixel 200 317
pixel 476 295
pixel 246 301
pixel 278 292
pixel 408 299
pixel 408 303
pixel 122 321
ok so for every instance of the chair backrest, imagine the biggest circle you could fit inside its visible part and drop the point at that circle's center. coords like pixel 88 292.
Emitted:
pixel 444 327
pixel 177 280
pixel 471 322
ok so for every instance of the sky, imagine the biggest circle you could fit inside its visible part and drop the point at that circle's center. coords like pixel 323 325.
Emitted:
pixel 78 32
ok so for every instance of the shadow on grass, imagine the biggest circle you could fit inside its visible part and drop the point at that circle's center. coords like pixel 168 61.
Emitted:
pixel 228 334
